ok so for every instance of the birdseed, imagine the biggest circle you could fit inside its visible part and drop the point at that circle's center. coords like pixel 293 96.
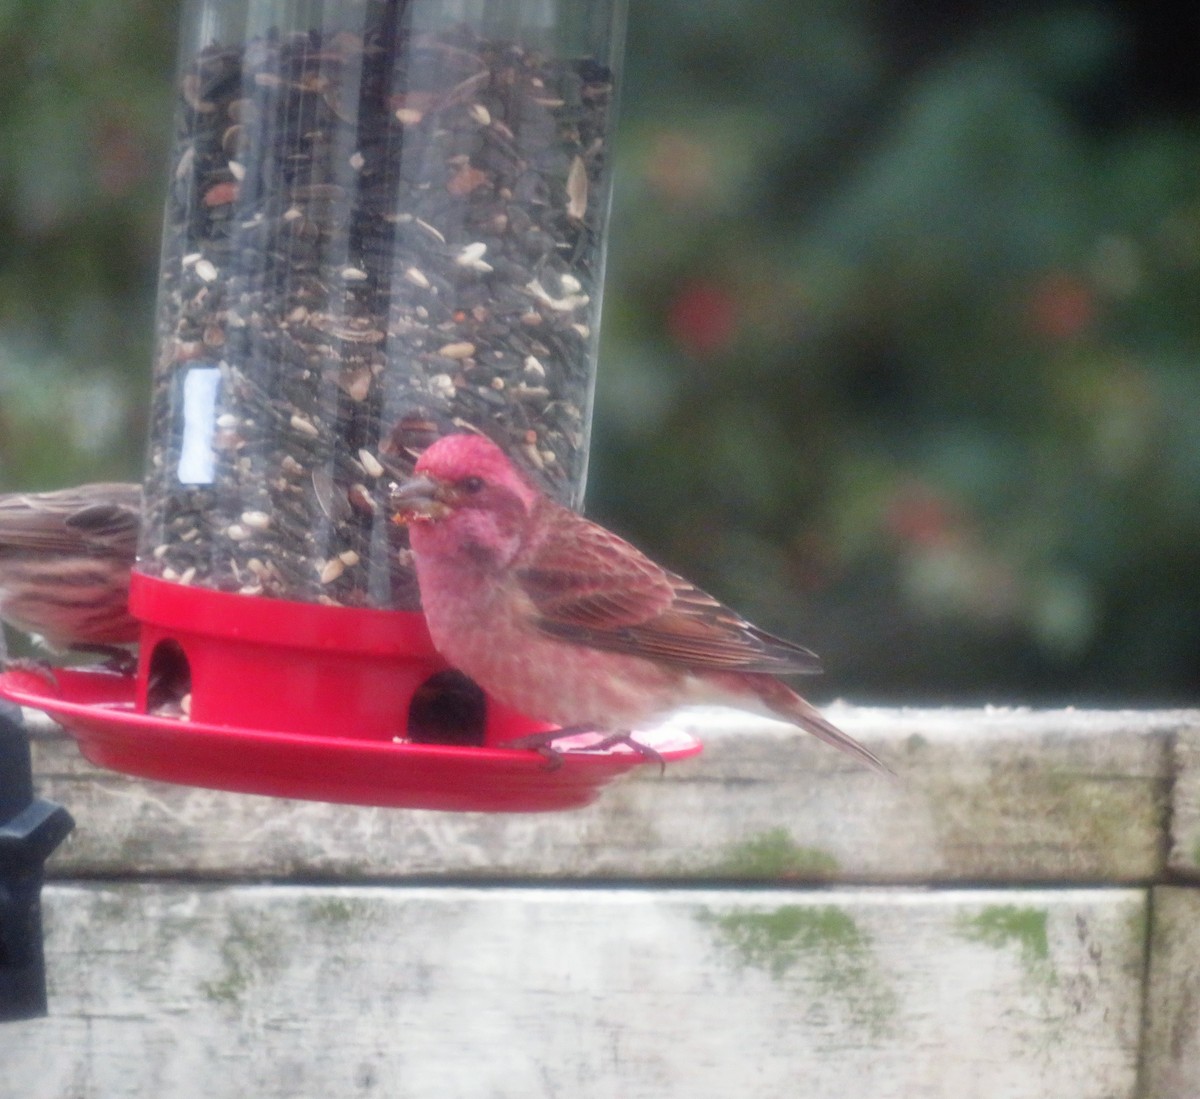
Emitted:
pixel 369 240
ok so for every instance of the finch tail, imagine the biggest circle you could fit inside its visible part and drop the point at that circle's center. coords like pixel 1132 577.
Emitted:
pixel 782 700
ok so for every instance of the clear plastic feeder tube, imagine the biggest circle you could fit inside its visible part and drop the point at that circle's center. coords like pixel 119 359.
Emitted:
pixel 386 220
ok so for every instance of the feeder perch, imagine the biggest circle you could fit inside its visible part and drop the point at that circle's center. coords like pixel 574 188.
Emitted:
pixel 386 220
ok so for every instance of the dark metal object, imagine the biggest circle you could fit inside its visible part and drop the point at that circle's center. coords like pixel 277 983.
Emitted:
pixel 30 829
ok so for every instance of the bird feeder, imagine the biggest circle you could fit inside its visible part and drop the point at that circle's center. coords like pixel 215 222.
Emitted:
pixel 386 219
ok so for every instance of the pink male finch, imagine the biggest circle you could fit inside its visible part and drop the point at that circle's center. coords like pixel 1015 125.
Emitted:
pixel 560 619
pixel 65 560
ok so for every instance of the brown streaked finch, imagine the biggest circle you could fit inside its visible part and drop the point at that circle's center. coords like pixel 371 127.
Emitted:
pixel 65 562
pixel 565 622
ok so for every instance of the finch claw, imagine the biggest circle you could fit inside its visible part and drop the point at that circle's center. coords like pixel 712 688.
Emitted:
pixel 543 744
pixel 41 668
pixel 122 663
pixel 116 658
pixel 630 741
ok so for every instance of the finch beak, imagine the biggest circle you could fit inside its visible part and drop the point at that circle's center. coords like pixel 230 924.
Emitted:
pixel 418 500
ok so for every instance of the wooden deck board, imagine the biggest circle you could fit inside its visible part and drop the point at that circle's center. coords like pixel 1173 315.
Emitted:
pixel 175 990
pixel 998 795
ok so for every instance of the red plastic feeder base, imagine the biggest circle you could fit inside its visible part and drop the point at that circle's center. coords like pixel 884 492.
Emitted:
pixel 298 700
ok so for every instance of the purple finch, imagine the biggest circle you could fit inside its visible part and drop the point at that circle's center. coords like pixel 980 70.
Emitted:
pixel 562 620
pixel 65 560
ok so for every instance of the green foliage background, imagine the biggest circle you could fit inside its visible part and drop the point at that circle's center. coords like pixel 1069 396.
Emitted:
pixel 902 324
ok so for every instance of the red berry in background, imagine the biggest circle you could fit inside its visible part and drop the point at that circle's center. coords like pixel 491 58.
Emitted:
pixel 702 318
pixel 1061 307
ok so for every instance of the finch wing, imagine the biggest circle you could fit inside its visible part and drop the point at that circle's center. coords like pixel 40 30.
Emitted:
pixel 99 519
pixel 590 587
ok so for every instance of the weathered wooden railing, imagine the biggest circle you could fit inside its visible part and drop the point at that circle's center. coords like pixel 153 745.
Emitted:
pixel 1013 917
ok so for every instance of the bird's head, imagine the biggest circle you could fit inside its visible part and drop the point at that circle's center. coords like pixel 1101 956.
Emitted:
pixel 465 496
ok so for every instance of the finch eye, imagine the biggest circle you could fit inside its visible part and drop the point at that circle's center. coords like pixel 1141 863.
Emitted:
pixel 471 485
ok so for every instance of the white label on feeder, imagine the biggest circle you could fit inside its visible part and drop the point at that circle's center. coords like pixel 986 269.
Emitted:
pixel 196 463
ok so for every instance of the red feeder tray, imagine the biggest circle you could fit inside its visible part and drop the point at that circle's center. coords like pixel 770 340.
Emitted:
pixel 307 701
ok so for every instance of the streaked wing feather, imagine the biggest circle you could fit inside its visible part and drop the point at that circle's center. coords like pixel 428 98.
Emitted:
pixel 590 587
pixel 583 575
pixel 100 519
pixel 105 521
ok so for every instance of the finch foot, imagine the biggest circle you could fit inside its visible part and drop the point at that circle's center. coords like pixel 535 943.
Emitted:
pixel 543 744
pixel 116 658
pixel 33 666
pixel 630 741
